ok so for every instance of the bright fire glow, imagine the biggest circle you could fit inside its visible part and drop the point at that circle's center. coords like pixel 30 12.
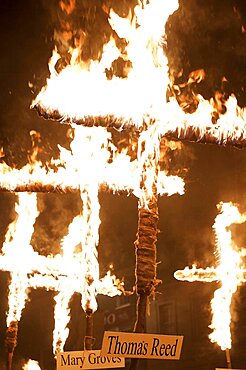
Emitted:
pixel 80 90
pixel 31 365
pixel 93 160
pixel 230 272
pixel 72 170
pixel 17 250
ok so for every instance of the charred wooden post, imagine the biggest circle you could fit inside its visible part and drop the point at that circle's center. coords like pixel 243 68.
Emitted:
pixel 145 247
pixel 228 358
pixel 88 341
pixel 11 342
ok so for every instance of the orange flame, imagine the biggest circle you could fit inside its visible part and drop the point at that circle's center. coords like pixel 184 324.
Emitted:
pixel 17 248
pixel 81 90
pixel 117 170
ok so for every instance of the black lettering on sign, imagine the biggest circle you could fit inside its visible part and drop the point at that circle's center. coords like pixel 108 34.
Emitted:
pixel 162 349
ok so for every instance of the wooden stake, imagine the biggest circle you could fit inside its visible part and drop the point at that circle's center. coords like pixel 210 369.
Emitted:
pixel 145 265
pixel 88 340
pixel 11 342
pixel 228 358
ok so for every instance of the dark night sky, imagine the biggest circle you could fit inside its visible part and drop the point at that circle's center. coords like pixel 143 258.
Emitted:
pixel 201 34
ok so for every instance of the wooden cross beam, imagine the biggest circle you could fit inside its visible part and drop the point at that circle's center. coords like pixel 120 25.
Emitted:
pixel 205 125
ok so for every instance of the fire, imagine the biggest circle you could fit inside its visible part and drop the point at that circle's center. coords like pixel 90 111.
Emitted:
pixel 230 272
pixel 17 248
pixel 31 365
pixel 82 91
pixel 118 172
pixel 86 168
pixel 93 161
pixel 200 125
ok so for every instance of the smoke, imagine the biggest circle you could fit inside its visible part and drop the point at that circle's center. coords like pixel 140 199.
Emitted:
pixel 57 212
pixel 84 24
pixel 211 36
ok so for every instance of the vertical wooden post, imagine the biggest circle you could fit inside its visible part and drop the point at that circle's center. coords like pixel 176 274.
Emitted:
pixel 11 342
pixel 88 341
pixel 145 264
pixel 228 358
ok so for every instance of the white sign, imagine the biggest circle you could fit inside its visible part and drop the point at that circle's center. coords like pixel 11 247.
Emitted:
pixel 78 360
pixel 131 345
pixel 221 368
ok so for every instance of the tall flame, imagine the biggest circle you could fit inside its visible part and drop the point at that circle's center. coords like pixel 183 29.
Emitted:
pixel 18 250
pixel 230 272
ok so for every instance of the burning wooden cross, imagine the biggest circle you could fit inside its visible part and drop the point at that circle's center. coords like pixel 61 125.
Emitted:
pixel 147 179
pixel 86 170
pixel 65 273
pixel 230 272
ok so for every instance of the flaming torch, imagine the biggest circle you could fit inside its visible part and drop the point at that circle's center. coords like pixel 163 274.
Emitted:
pixel 230 272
